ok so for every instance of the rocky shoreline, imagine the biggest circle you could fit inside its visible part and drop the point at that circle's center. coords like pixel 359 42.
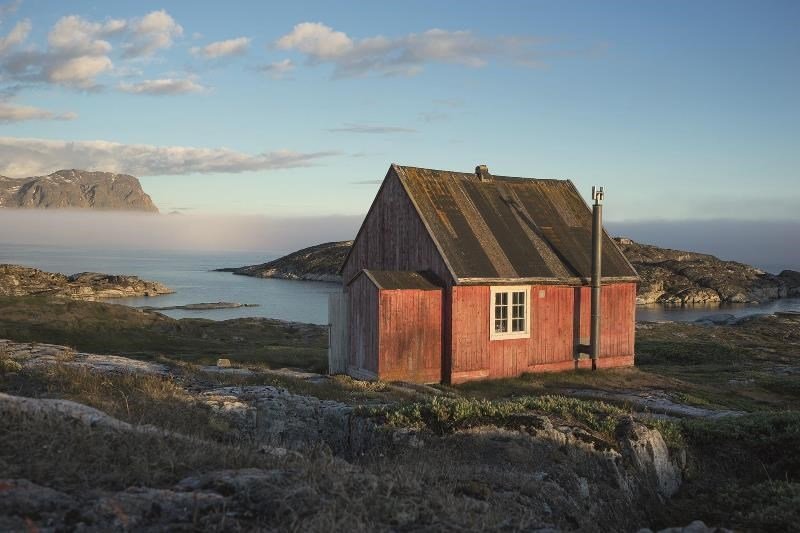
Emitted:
pixel 16 280
pixel 206 306
pixel 680 277
pixel 315 263
pixel 667 276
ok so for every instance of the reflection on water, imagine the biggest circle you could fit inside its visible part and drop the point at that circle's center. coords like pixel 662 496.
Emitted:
pixel 688 313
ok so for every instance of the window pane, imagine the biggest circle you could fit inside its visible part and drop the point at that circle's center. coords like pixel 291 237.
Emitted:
pixel 518 324
pixel 500 326
pixel 498 298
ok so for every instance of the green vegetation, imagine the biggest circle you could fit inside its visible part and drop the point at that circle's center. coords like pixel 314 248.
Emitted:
pixel 117 329
pixel 744 471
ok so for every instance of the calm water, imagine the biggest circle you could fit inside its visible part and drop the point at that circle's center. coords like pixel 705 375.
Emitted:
pixel 188 273
pixel 656 312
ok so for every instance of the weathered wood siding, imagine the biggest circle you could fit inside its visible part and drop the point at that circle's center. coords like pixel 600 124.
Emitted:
pixel 410 336
pixel 338 333
pixel 394 238
pixel 559 320
pixel 363 316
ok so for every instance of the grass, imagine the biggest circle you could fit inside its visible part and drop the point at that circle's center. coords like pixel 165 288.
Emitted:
pixel 744 472
pixel 444 415
pixel 135 398
pixel 70 457
pixel 110 328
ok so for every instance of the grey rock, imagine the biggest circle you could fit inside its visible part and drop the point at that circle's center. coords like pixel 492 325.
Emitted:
pixel 18 280
pixel 646 451
pixel 684 278
pixel 76 189
pixel 316 263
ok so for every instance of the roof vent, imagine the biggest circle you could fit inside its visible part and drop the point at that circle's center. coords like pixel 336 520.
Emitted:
pixel 482 172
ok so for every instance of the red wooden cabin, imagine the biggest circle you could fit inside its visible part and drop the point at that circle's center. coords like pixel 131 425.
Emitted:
pixel 460 276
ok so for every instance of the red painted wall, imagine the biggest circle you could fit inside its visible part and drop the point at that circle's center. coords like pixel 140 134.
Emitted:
pixel 559 320
pixel 410 336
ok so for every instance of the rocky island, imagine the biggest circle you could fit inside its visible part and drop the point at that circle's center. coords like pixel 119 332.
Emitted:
pixel 79 189
pixel 18 280
pixel 315 263
pixel 667 276
pixel 680 277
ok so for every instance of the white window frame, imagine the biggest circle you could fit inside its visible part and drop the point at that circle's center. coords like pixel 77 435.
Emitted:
pixel 493 335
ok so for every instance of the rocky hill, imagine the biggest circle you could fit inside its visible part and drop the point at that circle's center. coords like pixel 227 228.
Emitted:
pixel 679 277
pixel 18 280
pixel 667 276
pixel 316 263
pixel 76 189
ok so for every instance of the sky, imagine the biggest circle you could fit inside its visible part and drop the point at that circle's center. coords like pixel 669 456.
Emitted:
pixel 686 112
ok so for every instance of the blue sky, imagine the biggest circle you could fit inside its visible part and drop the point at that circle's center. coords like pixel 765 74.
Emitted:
pixel 682 110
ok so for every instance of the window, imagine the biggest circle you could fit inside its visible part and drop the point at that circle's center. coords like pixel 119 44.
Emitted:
pixel 510 309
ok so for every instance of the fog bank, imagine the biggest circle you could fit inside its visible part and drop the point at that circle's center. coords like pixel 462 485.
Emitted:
pixel 771 245
pixel 118 230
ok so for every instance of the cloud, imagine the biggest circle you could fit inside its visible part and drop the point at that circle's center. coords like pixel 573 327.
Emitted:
pixel 79 50
pixel 79 71
pixel 164 86
pixel 231 47
pixel 9 8
pixel 76 36
pixel 153 32
pixel 278 70
pixel 366 182
pixel 371 128
pixel 16 36
pixel 20 157
pixel 448 102
pixel 18 113
pixel 433 116
pixel 405 55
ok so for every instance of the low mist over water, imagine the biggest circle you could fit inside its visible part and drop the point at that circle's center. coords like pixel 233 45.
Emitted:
pixel 114 230
pixel 770 245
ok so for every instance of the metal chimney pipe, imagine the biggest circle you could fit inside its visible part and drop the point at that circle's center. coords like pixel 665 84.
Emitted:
pixel 597 253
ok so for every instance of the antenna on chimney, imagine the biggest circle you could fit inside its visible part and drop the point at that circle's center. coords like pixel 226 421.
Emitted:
pixel 597 195
pixel 482 172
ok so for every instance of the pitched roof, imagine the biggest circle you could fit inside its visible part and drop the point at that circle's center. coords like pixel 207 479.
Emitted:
pixel 401 279
pixel 509 228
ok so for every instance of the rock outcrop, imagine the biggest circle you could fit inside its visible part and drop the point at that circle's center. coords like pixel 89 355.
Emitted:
pixel 679 277
pixel 316 263
pixel 18 280
pixel 76 189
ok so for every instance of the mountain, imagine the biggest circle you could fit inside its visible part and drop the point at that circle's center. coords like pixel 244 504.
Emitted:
pixel 316 263
pixel 76 189
pixel 18 280
pixel 667 276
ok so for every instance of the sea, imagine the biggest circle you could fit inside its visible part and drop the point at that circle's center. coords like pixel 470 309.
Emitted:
pixel 191 275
